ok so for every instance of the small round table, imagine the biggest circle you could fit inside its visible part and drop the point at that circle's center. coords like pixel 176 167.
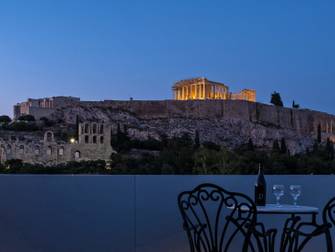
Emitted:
pixel 289 210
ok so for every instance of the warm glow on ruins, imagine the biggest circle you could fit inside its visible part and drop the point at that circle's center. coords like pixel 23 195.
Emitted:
pixel 203 89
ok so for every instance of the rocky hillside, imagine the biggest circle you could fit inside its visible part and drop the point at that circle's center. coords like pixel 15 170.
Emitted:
pixel 228 123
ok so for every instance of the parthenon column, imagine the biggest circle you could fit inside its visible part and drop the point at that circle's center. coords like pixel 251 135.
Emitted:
pixel 204 90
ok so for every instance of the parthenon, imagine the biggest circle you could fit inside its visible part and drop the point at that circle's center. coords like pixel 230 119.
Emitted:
pixel 202 89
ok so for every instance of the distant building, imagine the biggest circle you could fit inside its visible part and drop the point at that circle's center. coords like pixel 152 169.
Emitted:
pixel 43 107
pixel 93 143
pixel 204 89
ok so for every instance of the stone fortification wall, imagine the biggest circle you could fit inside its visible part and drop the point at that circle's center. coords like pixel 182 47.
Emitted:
pixel 302 120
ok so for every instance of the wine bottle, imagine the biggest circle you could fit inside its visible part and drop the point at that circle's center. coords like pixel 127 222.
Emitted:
pixel 260 188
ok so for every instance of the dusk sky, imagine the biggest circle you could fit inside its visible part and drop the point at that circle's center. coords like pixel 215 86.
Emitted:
pixel 105 49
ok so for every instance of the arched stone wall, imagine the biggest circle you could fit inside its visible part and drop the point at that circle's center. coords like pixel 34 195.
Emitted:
pixel 49 137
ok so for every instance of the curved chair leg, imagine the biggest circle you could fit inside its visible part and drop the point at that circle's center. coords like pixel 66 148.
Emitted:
pixel 265 238
pixel 288 239
pixel 329 241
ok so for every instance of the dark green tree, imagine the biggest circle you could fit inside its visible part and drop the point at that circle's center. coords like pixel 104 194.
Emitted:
pixel 26 118
pixel 330 149
pixel 315 147
pixel 251 146
pixel 47 122
pixel 283 146
pixel 121 140
pixel 196 140
pixel 5 119
pixel 276 147
pixel 295 105
pixel 276 99
pixel 319 134
pixel 14 163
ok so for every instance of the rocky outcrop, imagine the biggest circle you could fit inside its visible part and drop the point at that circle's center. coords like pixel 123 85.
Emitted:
pixel 228 123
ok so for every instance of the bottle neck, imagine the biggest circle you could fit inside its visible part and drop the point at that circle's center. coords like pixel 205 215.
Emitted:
pixel 260 177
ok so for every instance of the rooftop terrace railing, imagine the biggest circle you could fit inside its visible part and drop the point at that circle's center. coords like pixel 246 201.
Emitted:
pixel 122 213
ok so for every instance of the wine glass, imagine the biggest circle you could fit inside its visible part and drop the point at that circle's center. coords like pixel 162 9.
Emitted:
pixel 278 192
pixel 295 191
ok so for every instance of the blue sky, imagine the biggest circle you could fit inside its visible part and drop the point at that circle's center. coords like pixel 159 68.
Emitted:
pixel 106 49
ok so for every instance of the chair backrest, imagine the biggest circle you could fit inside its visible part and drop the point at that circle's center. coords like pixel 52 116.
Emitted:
pixel 328 217
pixel 217 220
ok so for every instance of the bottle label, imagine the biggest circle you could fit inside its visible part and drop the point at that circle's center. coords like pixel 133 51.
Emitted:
pixel 259 196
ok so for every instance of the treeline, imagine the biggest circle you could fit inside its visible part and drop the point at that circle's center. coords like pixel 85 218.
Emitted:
pixel 184 155
pixel 187 155
pixel 16 166
pixel 25 123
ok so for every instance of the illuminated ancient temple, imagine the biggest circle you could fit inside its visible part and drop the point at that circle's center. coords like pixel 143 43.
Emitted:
pixel 203 89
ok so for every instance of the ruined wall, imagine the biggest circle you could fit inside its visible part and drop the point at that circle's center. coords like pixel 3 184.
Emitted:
pixel 38 113
pixel 45 149
pixel 43 107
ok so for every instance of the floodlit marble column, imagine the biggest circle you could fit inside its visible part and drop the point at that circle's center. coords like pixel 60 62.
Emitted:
pixel 203 91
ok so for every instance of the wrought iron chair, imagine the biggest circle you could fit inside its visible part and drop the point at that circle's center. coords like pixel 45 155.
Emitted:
pixel 217 220
pixel 295 238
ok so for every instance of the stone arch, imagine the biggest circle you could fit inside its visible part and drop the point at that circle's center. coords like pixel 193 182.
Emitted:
pixel 82 129
pixel 37 150
pixel 49 150
pixel 77 155
pixel 61 151
pixel 49 137
pixel 9 148
pixel 86 128
pixel 21 149
pixel 101 129
pixel 94 128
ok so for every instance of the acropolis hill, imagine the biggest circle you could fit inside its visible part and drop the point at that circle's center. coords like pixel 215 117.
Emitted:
pixel 225 121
